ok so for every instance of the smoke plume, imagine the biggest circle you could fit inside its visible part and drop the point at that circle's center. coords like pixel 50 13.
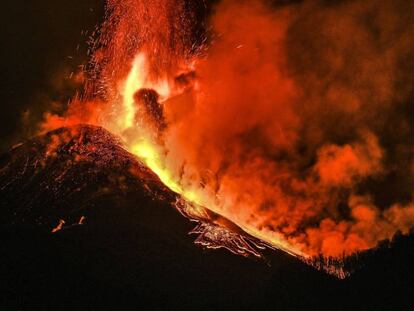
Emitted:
pixel 302 121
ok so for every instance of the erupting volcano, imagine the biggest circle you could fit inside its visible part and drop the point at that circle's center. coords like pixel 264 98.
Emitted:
pixel 273 124
pixel 293 136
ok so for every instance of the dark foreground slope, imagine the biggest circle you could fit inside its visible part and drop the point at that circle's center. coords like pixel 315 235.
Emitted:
pixel 122 243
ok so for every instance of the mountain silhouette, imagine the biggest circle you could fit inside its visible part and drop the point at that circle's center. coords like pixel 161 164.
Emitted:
pixel 86 226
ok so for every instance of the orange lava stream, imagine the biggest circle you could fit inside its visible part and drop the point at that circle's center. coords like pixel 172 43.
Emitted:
pixel 142 144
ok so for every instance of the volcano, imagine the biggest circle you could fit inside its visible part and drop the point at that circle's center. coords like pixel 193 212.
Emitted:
pixel 56 181
pixel 85 224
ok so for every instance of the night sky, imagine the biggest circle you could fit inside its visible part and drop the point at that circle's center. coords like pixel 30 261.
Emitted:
pixel 39 49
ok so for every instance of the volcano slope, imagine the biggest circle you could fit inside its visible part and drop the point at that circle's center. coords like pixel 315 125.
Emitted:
pixel 85 225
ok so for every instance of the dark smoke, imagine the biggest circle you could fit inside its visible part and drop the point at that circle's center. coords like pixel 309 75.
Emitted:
pixel 304 120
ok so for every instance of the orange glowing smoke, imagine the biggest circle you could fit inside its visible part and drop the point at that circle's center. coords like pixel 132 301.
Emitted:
pixel 291 121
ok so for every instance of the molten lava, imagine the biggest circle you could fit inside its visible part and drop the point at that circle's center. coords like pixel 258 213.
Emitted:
pixel 290 121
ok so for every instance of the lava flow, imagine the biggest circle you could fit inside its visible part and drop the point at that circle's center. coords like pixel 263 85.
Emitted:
pixel 291 120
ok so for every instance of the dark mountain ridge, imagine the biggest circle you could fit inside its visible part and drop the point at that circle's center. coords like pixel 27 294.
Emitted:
pixel 119 242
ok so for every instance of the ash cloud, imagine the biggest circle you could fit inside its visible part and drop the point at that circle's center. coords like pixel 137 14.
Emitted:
pixel 302 121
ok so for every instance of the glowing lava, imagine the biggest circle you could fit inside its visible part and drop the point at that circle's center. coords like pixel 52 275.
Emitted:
pixel 143 145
